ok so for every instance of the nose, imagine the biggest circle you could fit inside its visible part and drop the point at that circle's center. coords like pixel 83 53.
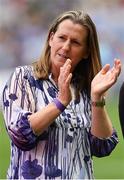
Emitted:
pixel 66 45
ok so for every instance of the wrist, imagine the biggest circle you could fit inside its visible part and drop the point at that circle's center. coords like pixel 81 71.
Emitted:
pixel 97 97
pixel 59 104
pixel 98 103
pixel 64 101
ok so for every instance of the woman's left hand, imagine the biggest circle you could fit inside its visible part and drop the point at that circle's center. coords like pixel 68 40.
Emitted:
pixel 105 79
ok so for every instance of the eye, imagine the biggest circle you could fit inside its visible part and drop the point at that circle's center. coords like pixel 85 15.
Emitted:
pixel 61 37
pixel 75 42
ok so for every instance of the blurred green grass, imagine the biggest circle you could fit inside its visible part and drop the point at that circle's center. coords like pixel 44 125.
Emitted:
pixel 4 149
pixel 110 167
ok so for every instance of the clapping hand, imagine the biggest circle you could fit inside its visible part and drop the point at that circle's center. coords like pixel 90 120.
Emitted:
pixel 64 80
pixel 105 79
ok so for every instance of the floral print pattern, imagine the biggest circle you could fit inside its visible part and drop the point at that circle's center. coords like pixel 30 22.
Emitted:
pixel 31 169
pixel 65 149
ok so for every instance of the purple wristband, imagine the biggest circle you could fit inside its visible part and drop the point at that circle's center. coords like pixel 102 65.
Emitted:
pixel 59 105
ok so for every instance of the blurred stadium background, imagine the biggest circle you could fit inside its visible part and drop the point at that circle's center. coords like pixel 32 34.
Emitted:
pixel 23 28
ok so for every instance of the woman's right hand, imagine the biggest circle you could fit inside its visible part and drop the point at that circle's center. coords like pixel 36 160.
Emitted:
pixel 64 80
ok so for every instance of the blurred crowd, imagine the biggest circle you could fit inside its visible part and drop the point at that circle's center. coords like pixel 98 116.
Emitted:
pixel 24 24
pixel 23 28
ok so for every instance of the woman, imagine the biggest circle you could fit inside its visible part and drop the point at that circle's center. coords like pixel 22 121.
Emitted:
pixel 55 109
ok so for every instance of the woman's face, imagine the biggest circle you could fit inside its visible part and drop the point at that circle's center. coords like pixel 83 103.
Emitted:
pixel 69 41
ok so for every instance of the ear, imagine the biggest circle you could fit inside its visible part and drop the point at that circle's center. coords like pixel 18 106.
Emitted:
pixel 51 38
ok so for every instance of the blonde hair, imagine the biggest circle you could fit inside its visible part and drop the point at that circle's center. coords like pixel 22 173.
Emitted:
pixel 86 69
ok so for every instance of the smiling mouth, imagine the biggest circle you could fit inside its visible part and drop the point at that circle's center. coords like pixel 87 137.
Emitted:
pixel 63 56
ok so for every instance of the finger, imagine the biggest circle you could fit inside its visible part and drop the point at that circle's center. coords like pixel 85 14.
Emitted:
pixel 66 68
pixel 64 71
pixel 105 69
pixel 117 61
pixel 117 65
pixel 68 80
pixel 68 61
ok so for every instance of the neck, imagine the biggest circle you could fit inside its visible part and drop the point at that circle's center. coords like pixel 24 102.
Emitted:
pixel 55 79
pixel 55 75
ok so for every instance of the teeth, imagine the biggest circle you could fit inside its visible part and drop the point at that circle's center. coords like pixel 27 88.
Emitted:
pixel 63 56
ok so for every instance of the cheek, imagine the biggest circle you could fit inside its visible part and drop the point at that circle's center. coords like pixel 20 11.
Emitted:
pixel 74 63
pixel 77 56
pixel 53 45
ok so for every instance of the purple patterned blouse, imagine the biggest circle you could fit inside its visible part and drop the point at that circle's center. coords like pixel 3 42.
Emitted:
pixel 65 149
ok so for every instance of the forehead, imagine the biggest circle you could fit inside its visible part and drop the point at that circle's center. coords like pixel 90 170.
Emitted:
pixel 68 27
